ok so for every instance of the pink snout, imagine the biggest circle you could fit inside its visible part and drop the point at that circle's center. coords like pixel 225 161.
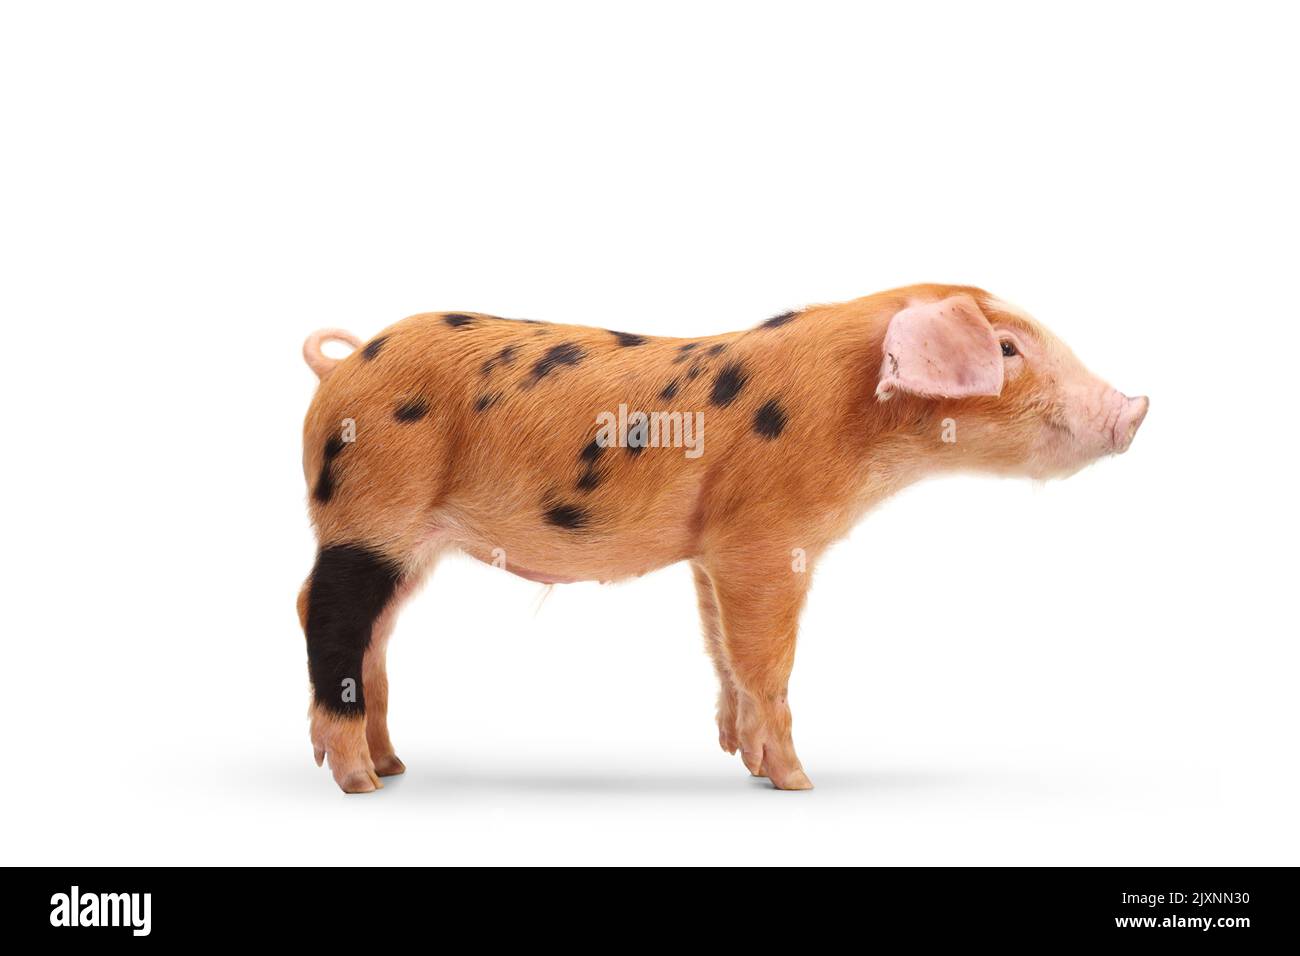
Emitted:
pixel 1127 422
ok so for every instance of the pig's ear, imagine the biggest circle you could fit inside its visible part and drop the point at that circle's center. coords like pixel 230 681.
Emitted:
pixel 943 349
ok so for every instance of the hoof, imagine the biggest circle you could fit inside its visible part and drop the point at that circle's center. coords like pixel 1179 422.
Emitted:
pixel 360 781
pixel 389 766
pixel 795 780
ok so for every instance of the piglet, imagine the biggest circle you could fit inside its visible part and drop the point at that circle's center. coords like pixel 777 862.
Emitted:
pixel 563 453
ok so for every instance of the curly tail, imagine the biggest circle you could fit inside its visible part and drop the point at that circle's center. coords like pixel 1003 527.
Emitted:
pixel 318 361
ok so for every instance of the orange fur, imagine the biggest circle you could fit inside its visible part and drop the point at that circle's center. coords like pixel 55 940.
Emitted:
pixel 480 481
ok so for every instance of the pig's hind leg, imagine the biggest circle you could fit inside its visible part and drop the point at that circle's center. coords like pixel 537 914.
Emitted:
pixel 374 670
pixel 347 608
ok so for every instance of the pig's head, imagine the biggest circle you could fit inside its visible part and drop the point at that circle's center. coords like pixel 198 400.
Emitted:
pixel 1016 399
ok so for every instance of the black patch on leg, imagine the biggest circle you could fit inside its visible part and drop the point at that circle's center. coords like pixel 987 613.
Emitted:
pixel 350 586
pixel 588 480
pixel 569 517
pixel 769 421
pixel 566 353
pixel 411 411
pixel 591 451
pixel 728 384
pixel 669 390
pixel 370 351
pixel 484 402
pixel 627 339
pixel 458 321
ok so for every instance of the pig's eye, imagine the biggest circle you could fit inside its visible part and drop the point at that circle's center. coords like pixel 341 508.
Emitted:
pixel 1008 349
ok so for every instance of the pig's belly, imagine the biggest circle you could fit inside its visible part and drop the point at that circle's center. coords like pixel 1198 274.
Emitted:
pixel 612 558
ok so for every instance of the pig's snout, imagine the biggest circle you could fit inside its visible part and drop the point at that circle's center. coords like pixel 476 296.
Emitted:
pixel 1127 422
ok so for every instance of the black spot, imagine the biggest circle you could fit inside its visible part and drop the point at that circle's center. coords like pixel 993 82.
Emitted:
pixel 350 587
pixel 591 451
pixel 325 482
pixel 778 320
pixel 567 516
pixel 370 351
pixel 566 353
pixel 637 438
pixel 589 479
pixel 717 349
pixel 412 410
pixel 324 489
pixel 627 339
pixel 769 421
pixel 485 402
pixel 728 384
pixel 694 371
pixel 669 390
pixel 505 357
pixel 684 352
pixel 458 321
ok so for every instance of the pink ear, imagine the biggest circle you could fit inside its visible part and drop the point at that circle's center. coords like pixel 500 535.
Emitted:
pixel 943 349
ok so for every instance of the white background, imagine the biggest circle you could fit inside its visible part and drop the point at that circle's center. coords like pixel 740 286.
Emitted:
pixel 1103 672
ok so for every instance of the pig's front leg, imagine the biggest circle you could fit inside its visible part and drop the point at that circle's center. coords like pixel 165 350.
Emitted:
pixel 728 700
pixel 759 613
